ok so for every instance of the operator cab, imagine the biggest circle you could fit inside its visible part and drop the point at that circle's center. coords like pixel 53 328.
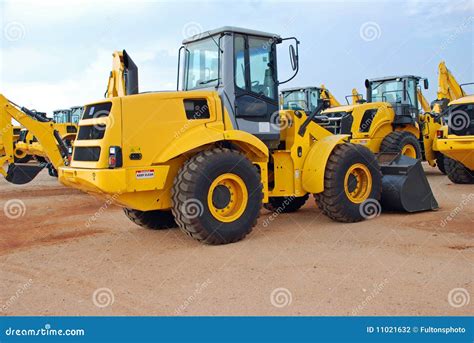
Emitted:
pixel 306 99
pixel 62 116
pixel 240 64
pixel 400 92
pixel 76 114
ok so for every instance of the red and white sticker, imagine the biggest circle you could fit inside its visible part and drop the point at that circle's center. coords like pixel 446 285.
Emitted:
pixel 145 174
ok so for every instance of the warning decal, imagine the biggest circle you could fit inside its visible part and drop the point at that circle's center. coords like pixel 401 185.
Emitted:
pixel 145 174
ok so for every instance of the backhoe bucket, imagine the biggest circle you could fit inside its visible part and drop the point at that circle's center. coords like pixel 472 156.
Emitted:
pixel 404 184
pixel 19 174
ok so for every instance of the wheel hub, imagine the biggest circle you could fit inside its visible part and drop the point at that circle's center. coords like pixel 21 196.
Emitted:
pixel 358 183
pixel 227 198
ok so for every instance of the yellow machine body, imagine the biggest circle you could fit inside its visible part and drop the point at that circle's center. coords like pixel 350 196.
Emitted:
pixel 145 184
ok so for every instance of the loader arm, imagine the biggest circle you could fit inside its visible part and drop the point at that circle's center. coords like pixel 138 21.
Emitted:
pixel 43 130
pixel 327 95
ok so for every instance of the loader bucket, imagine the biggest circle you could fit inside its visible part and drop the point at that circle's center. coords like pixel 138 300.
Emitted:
pixel 19 174
pixel 404 184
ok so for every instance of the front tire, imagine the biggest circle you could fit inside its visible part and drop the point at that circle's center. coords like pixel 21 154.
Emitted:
pixel 457 172
pixel 402 142
pixel 153 220
pixel 440 163
pixel 217 196
pixel 352 178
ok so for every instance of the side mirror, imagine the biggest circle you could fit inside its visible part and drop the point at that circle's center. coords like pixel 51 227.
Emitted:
pixel 293 58
pixel 425 83
pixel 367 83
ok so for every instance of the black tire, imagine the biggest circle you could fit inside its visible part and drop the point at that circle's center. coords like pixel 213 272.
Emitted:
pixel 52 171
pixel 440 163
pixel 457 172
pixel 154 220
pixel 285 204
pixel 396 140
pixel 333 201
pixel 192 185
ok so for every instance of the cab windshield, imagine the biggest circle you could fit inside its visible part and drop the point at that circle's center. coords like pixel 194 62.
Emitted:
pixel 76 114
pixel 201 68
pixel 387 91
pixel 61 117
pixel 295 100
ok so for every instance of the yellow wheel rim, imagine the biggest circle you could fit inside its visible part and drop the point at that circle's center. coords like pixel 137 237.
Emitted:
pixel 409 150
pixel 358 183
pixel 227 197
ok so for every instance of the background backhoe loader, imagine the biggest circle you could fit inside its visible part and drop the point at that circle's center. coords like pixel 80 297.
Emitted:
pixel 306 98
pixel 206 157
pixel 25 146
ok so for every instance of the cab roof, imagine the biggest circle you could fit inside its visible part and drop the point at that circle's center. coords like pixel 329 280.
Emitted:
pixel 230 29
pixel 388 78
pixel 292 89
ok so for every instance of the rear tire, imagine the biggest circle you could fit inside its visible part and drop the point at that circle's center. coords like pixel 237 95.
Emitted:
pixel 153 220
pixel 217 196
pixel 401 142
pixel 440 163
pixel 457 172
pixel 285 204
pixel 352 178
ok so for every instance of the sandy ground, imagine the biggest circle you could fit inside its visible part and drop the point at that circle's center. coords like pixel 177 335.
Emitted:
pixel 61 258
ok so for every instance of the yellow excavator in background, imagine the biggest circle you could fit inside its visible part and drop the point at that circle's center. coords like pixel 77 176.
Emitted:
pixel 455 139
pixel 19 145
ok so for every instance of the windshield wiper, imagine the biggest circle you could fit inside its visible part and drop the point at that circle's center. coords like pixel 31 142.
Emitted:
pixel 207 81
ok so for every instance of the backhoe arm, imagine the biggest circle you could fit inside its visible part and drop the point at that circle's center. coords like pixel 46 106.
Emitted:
pixel 43 130
pixel 425 105
pixel 123 79
pixel 448 87
pixel 326 95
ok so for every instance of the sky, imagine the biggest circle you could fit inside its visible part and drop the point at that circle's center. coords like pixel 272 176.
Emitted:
pixel 58 54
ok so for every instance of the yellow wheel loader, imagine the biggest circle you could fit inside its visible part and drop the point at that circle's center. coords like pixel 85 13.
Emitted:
pixel 390 120
pixel 306 98
pixel 456 141
pixel 207 156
